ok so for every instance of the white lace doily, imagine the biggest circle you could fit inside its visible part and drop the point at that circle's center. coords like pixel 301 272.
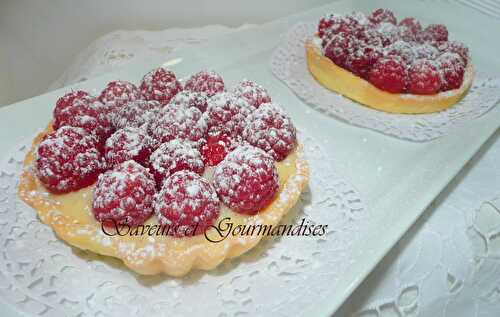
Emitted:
pixel 289 64
pixel 42 275
pixel 120 48
pixel 448 264
pixel 408 282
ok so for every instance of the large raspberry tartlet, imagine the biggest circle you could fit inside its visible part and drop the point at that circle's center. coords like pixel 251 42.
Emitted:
pixel 148 173
pixel 390 66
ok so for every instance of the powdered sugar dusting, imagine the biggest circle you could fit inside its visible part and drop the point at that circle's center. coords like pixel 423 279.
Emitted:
pixel 359 43
pixel 186 202
pixel 124 194
pixel 226 113
pixel 127 144
pixel 247 179
pixel 254 93
pixel 272 130
pixel 174 156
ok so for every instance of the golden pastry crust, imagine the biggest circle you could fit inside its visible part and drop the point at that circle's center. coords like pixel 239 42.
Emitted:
pixel 70 216
pixel 356 88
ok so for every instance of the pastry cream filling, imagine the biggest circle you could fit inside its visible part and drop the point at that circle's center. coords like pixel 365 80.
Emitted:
pixel 144 250
pixel 342 81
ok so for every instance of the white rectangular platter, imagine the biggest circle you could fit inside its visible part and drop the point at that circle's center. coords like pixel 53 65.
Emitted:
pixel 396 179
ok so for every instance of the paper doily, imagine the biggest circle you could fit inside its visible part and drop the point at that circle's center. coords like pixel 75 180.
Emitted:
pixel 289 64
pixel 42 275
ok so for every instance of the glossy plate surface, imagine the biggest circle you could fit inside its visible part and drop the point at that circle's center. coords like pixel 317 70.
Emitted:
pixel 397 179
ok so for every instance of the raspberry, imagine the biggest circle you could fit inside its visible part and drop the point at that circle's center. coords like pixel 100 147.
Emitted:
pixel 409 29
pixel 324 24
pixel 402 49
pixel 335 24
pixel 124 195
pixel 88 114
pixel 411 24
pixel 371 37
pixel 254 93
pixel 69 99
pixel 362 60
pixel 424 78
pixel 208 82
pixel 215 149
pixel 160 84
pixel 118 93
pixel 339 48
pixel 246 180
pixel 389 74
pixel 187 203
pixel 67 160
pixel 127 144
pixel 136 113
pixel 425 51
pixel 382 15
pixel 271 129
pixel 188 99
pixel 388 32
pixel 453 69
pixel 179 123
pixel 455 47
pixel 173 156
pixel 226 114
pixel 436 33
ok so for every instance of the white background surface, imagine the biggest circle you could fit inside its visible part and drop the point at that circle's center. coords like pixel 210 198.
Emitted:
pixel 479 182
pixel 39 39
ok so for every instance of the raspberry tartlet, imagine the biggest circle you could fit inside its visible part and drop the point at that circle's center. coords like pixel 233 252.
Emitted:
pixel 153 183
pixel 389 66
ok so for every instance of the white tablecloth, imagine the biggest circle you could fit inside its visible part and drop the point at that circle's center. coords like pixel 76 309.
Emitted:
pixel 448 264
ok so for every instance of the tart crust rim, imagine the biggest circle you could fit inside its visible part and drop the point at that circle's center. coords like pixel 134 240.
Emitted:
pixel 345 83
pixel 174 262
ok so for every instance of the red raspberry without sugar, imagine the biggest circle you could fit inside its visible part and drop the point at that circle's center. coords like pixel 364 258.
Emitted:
pixel 173 156
pixel 178 123
pixel 68 100
pixel 188 99
pixel 124 195
pixel 226 114
pixel 382 15
pixel 126 144
pixel 160 84
pixel 136 113
pixel 208 82
pixel 254 93
pixel 389 74
pixel 118 93
pixel 67 160
pixel 215 149
pixel 246 180
pixel 88 114
pixel 452 69
pixel 271 129
pixel 424 78
pixel 187 203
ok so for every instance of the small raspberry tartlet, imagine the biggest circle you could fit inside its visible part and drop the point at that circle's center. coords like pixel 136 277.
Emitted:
pixel 389 66
pixel 147 175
